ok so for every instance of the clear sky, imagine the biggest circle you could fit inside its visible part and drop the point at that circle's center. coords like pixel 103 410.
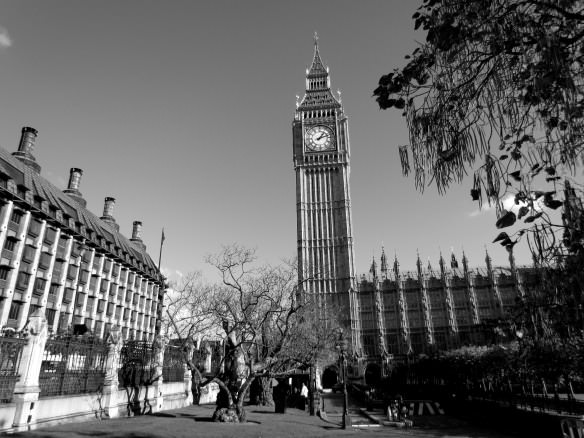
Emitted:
pixel 182 111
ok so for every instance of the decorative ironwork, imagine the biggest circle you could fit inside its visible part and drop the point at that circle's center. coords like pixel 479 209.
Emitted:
pixel 137 364
pixel 72 365
pixel 10 356
pixel 173 369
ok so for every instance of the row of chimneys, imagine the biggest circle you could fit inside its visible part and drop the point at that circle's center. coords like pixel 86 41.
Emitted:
pixel 24 154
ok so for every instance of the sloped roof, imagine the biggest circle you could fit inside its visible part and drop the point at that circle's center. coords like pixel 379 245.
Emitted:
pixel 29 180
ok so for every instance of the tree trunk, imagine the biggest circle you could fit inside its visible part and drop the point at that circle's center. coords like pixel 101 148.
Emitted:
pixel 227 411
pixel 241 398
pixel 261 392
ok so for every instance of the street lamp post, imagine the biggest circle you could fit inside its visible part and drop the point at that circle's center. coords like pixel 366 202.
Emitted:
pixel 342 347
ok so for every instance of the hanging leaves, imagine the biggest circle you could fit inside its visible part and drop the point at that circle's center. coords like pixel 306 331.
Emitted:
pixel 448 154
pixel 502 236
pixel 499 82
pixel 507 219
pixel 516 175
pixel 550 202
pixel 531 218
pixel 404 159
pixel 522 212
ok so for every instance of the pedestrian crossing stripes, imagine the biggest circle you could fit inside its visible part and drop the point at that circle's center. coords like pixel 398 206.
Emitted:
pixel 424 407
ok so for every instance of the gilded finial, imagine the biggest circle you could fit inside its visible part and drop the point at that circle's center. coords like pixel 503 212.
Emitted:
pixel 315 38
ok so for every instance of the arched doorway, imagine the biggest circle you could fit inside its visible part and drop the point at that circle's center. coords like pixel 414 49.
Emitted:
pixel 372 374
pixel 330 376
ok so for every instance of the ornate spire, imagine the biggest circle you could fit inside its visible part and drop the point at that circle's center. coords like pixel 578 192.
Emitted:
pixel 464 262
pixel 419 264
pixel 395 266
pixel 453 261
pixel 317 68
pixel 373 269
pixel 488 260
pixel 383 261
pixel 318 92
pixel 442 264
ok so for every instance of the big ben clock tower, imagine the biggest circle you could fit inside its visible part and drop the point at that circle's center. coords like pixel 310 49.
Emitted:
pixel 323 200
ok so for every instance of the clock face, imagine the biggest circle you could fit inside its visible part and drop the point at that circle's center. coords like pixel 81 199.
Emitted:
pixel 319 138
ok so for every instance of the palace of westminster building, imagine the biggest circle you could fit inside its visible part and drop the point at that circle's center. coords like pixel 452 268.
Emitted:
pixel 390 313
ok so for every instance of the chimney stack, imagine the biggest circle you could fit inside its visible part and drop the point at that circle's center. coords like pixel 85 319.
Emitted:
pixel 137 230
pixel 73 187
pixel 137 236
pixel 26 148
pixel 74 179
pixel 108 210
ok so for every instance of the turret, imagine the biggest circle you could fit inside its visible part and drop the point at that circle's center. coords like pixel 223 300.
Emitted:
pixel 442 264
pixel 383 263
pixel 373 268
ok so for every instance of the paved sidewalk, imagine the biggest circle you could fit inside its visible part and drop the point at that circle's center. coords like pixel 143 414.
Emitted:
pixel 194 421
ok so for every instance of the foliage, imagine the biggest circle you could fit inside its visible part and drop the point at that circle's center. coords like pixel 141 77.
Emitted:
pixel 496 89
pixel 528 360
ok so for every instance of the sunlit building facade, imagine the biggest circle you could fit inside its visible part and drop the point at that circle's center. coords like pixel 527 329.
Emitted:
pixel 60 257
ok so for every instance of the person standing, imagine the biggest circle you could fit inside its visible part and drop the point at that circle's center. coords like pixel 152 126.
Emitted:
pixel 303 396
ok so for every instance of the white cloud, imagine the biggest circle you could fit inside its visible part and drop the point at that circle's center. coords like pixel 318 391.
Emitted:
pixel 173 275
pixel 508 204
pixel 484 209
pixel 5 40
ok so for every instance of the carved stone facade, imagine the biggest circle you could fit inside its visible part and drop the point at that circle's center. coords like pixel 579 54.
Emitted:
pixel 323 199
pixel 436 309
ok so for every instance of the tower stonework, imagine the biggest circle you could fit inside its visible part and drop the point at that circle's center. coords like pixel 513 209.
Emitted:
pixel 323 201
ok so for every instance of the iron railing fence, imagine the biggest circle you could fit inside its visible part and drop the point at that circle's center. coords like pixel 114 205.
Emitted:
pixel 200 355
pixel 72 365
pixel 173 369
pixel 10 356
pixel 137 365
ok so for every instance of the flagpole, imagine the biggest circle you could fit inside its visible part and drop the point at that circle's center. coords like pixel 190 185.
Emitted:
pixel 160 255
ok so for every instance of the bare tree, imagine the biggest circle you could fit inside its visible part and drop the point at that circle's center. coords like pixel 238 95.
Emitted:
pixel 266 329
pixel 187 315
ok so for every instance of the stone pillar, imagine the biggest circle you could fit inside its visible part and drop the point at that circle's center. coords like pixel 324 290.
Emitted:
pixel 109 404
pixel 27 390
pixel 208 359
pixel 188 378
pixel 158 347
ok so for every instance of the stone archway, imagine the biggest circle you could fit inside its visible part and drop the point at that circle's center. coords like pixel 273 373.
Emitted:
pixel 330 376
pixel 373 374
